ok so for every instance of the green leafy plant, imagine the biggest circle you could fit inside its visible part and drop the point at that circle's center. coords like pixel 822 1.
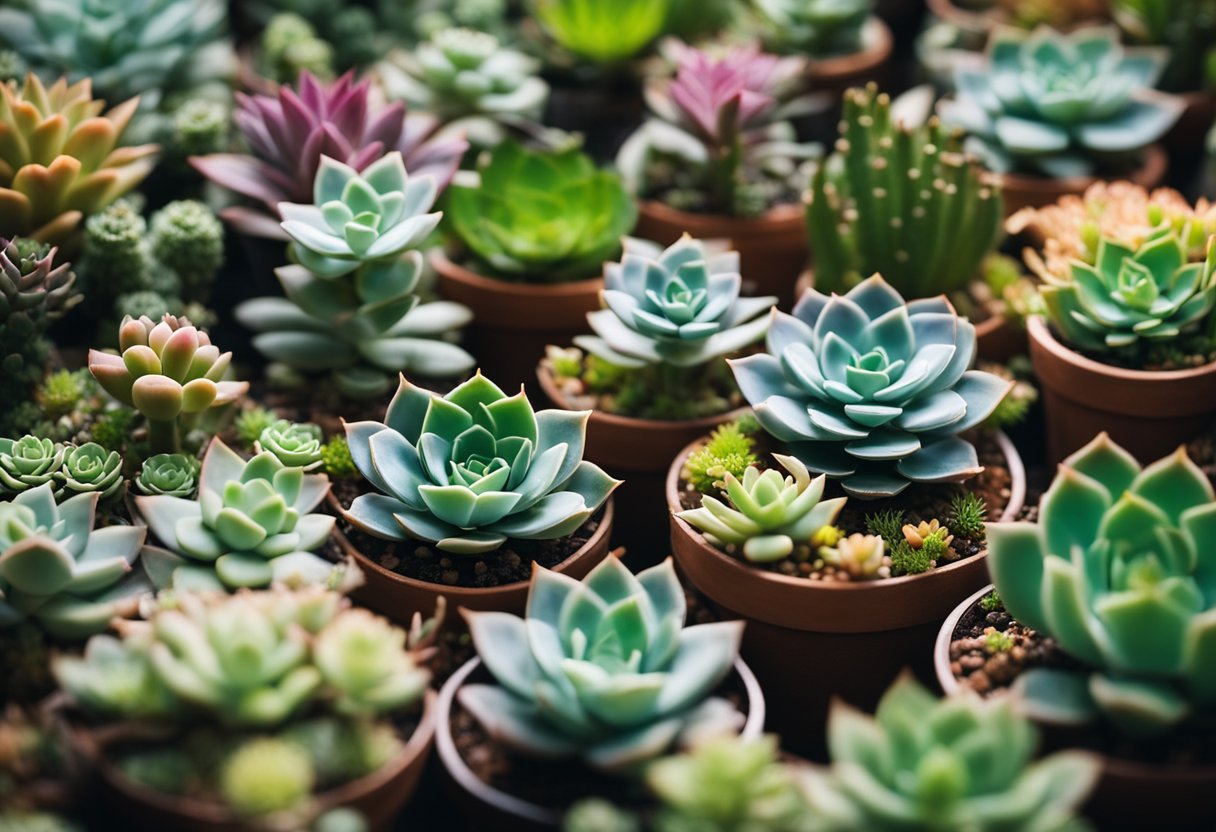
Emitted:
pixel 294 444
pixel 1115 572
pixel 991 602
pixel 336 458
pixel 541 216
pixel 969 514
pixel 1186 27
pixel 469 470
pixel 902 201
pixel 859 556
pixel 887 524
pixel 872 390
pixel 173 475
pixel 820 28
pixel 769 514
pixel 602 668
pixel 61 392
pixel 90 467
pixel 907 559
pixel 729 450
pixel 602 31
pixel 29 462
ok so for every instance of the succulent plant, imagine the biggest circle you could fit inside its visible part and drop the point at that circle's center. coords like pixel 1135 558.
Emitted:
pixel 173 475
pixel 28 462
pixel 602 31
pixel 1127 294
pixel 901 201
pixel 250 525
pixel 1186 27
pixel 1060 104
pixel 33 293
pixel 290 45
pixel 1116 573
pixel 679 306
pixel 820 28
pixel 471 469
pixel 872 390
pixel 90 467
pixel 602 669
pixel 859 555
pixel 266 775
pixel 289 135
pixel 63 161
pixel 189 239
pixel 294 444
pixel 541 216
pixel 364 661
pixel 166 369
pixel 56 569
pixel 769 514
pixel 949 764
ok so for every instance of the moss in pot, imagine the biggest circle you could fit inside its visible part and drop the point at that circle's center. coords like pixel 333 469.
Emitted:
pixel 872 394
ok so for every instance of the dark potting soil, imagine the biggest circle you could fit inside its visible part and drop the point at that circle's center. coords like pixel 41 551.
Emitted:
pixel 989 649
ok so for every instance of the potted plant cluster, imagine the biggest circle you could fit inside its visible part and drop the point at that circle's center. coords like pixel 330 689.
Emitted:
pixel 722 385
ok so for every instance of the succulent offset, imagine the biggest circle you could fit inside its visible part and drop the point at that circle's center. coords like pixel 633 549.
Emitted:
pixel 250 525
pixel 1060 104
pixel 820 28
pixel 174 475
pixel 28 462
pixel 872 390
pixel 769 514
pixel 469 470
pixel 541 216
pixel 602 669
pixel 602 31
pixel 960 763
pixel 1117 573
pixel 62 160
pixel 90 467
pixel 56 569
pixel 293 444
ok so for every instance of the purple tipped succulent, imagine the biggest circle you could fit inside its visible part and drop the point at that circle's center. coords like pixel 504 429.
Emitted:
pixel 289 133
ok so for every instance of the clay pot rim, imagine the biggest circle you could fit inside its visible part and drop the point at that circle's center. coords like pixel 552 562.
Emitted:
pixel 450 270
pixel 417 746
pixel 877 44
pixel 456 594
pixel 1017 497
pixel 517 807
pixel 1119 767
pixel 774 220
pixel 1148 175
pixel 1041 333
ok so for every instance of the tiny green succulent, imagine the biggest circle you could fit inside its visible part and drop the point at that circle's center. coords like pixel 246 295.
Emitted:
pixel 250 525
pixel 29 462
pixel 541 216
pixel 769 514
pixel 820 28
pixel 729 449
pixel 961 763
pixel 267 774
pixel 471 469
pixel 364 661
pixel 1116 572
pixel 602 669
pixel 173 475
pixel 295 444
pixel 872 390
pixel 859 555
pixel 59 571
pixel 90 467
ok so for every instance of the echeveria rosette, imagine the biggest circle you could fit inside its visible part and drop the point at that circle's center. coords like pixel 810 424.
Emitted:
pixel 365 661
pixel 603 669
pixel 872 390
pixel 959 763
pixel 1060 104
pixel 250 526
pixel 90 467
pixel 174 475
pixel 679 306
pixel 28 462
pixel 469 470
pixel 294 444
pixel 1120 572
pixel 1150 293
pixel 56 569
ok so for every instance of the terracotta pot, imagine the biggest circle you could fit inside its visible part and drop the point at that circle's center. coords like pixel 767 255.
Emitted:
pixel 837 73
pixel 398 597
pixel 810 641
pixel 1025 191
pixel 637 451
pixel 772 248
pixel 1190 131
pixel 378 796
pixel 514 322
pixel 1129 794
pixel 1148 413
pixel 485 807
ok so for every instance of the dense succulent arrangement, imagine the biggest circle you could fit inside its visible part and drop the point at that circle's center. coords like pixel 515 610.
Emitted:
pixel 819 28
pixel 602 669
pixel 872 390
pixel 469 470
pixel 1115 573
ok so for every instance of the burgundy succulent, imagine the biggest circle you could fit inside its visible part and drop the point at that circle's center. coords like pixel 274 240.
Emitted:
pixel 289 133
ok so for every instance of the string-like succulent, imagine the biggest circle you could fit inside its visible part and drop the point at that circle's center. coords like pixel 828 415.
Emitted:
pixel 679 306
pixel 294 444
pixel 1060 104
pixel 471 469
pixel 58 570
pixel 63 160
pixel 602 31
pixel 602 669
pixel 872 390
pixel 174 475
pixel 961 763
pixel 769 514
pixel 901 201
pixel 90 467
pixel 820 28
pixel 28 462
pixel 250 525
pixel 1116 573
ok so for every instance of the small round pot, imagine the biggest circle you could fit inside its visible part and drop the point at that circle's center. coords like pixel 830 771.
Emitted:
pixel 514 322
pixel 772 248
pixel 378 796
pixel 1148 413
pixel 1025 191
pixel 1190 131
pixel 811 641
pixel 490 808
pixel 1129 794
pixel 398 597
pixel 836 74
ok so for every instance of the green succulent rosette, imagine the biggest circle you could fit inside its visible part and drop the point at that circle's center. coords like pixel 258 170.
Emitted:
pixel 173 475
pixel 293 444
pixel 29 462
pixel 90 467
